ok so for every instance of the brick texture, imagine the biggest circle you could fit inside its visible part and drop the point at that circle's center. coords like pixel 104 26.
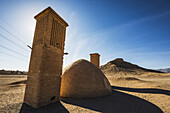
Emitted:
pixel 45 69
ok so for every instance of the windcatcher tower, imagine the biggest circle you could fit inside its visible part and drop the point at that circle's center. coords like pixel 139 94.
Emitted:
pixel 95 59
pixel 45 69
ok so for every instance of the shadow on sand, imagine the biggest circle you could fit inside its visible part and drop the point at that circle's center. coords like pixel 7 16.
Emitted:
pixel 56 107
pixel 143 90
pixel 117 102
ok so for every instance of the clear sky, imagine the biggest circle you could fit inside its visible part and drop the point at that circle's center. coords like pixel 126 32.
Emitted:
pixel 136 30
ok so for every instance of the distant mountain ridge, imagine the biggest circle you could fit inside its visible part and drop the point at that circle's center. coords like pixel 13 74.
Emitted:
pixel 119 66
pixel 166 70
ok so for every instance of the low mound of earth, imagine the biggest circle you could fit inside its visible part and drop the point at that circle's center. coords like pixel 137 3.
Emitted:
pixel 129 79
pixel 120 67
pixel 18 82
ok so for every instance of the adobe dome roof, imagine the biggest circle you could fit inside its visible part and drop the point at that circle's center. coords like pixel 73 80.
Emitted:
pixel 82 79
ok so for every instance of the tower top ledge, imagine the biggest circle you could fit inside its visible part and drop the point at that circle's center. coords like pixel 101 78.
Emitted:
pixel 94 54
pixel 50 10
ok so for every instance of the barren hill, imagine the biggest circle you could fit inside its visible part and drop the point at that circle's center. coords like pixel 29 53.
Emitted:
pixel 121 67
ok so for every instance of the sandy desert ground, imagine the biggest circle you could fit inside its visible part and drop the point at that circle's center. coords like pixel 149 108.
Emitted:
pixel 131 94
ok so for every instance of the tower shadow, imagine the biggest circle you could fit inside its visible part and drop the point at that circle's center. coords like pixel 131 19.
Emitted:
pixel 143 90
pixel 56 107
pixel 117 102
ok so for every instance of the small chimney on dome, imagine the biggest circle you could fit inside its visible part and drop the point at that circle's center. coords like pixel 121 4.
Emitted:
pixel 95 59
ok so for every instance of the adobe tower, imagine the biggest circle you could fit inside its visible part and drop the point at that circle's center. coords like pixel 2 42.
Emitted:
pixel 45 69
pixel 95 59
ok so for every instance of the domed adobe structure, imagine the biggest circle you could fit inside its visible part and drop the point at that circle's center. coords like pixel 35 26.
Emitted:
pixel 83 79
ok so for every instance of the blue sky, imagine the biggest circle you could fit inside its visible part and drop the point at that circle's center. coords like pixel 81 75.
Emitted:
pixel 136 30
